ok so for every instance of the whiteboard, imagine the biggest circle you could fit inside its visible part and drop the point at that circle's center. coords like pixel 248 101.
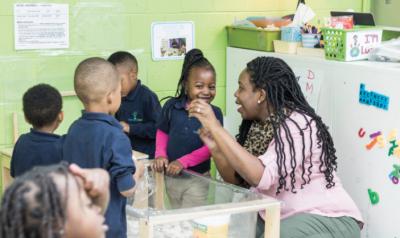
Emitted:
pixel 338 104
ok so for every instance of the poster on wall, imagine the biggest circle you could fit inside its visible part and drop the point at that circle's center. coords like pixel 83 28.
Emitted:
pixel 41 26
pixel 171 40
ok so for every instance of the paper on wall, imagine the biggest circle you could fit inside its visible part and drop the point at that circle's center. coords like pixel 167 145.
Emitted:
pixel 41 26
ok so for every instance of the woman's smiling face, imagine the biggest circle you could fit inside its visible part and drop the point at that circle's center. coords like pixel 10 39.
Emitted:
pixel 247 97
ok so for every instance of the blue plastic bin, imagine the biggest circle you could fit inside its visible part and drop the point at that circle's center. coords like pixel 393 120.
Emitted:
pixel 291 33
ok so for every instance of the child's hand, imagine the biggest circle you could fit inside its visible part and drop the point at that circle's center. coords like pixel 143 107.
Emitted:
pixel 174 168
pixel 125 126
pixel 96 182
pixel 160 164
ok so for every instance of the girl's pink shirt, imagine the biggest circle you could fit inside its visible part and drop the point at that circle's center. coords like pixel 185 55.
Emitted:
pixel 189 160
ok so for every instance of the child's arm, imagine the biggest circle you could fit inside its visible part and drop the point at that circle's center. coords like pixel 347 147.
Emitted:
pixel 161 158
pixel 13 156
pixel 196 157
pixel 97 184
pixel 146 129
pixel 136 177
pixel 121 167
pixel 189 160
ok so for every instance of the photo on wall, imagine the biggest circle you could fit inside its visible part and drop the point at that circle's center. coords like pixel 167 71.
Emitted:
pixel 171 40
pixel 173 47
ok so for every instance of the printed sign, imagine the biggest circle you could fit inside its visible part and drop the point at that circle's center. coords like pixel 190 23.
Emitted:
pixel 41 26
pixel 360 43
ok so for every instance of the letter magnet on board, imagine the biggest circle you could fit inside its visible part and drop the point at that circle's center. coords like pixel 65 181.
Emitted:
pixel 394 146
pixel 373 98
pixel 373 197
pixel 361 133
pixel 371 144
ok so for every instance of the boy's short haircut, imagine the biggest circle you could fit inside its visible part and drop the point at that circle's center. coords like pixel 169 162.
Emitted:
pixel 41 105
pixel 123 57
pixel 94 79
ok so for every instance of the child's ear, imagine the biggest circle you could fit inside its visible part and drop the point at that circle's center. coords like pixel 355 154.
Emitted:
pixel 133 73
pixel 60 117
pixel 109 98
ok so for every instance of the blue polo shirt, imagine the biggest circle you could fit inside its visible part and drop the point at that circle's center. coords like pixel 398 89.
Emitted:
pixel 96 140
pixel 182 131
pixel 141 109
pixel 33 149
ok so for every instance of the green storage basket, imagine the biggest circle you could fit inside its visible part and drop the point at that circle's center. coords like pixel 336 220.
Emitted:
pixel 335 41
pixel 252 38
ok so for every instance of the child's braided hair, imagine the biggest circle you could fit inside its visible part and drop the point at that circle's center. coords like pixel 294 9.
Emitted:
pixel 33 206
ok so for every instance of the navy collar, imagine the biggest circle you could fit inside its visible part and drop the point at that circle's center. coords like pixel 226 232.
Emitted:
pixel 99 116
pixel 133 93
pixel 180 103
pixel 46 135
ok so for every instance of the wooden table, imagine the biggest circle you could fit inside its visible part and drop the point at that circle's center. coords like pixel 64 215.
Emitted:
pixel 5 160
pixel 139 155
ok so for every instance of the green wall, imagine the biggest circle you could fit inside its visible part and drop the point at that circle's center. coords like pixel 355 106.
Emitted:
pixel 386 12
pixel 100 27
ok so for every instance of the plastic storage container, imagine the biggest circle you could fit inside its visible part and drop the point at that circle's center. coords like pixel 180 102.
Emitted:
pixel 310 40
pixel 350 45
pixel 252 38
pixel 207 209
pixel 286 47
pixel 291 33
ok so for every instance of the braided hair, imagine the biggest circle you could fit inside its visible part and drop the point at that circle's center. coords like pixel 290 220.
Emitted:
pixel 33 206
pixel 284 94
pixel 193 59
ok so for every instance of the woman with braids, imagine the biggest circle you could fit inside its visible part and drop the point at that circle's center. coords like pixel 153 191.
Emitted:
pixel 283 150
pixel 178 144
pixel 56 202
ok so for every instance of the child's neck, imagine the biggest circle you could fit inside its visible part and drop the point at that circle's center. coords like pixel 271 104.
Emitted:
pixel 47 129
pixel 98 108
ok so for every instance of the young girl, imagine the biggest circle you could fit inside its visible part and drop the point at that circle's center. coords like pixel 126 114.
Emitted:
pixel 283 150
pixel 178 145
pixel 54 202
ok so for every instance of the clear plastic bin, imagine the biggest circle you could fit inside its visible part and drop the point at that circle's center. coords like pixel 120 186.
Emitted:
pixel 195 206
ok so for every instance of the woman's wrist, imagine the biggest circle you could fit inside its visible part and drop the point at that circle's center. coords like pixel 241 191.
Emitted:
pixel 215 126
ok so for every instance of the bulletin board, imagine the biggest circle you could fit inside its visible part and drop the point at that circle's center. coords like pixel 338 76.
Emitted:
pixel 359 101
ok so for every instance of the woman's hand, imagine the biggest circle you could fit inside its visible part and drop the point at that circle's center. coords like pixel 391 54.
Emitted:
pixel 203 112
pixel 207 139
pixel 174 168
